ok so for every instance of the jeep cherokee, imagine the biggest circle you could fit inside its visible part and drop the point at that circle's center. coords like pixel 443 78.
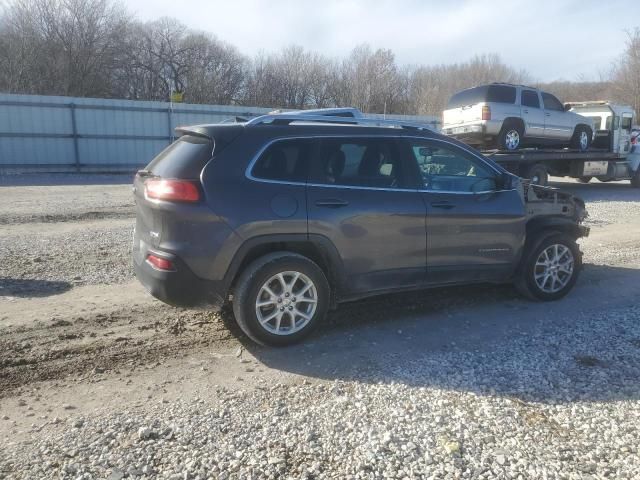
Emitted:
pixel 285 216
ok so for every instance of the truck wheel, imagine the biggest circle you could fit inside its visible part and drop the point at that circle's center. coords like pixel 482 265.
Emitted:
pixel 538 175
pixel 581 139
pixel 550 268
pixel 635 180
pixel 584 179
pixel 280 298
pixel 510 137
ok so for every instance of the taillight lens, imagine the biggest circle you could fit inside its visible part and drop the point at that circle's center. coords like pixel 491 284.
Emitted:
pixel 160 263
pixel 172 190
pixel 486 112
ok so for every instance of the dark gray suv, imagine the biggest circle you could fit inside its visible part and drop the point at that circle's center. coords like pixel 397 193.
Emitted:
pixel 287 215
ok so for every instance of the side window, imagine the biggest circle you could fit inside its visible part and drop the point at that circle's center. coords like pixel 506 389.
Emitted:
pixel 551 102
pixel 284 160
pixel 616 122
pixel 608 123
pixel 448 168
pixel 530 99
pixel 360 162
pixel 626 124
pixel 501 94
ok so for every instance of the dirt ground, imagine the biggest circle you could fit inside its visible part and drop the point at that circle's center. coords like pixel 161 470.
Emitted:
pixel 78 334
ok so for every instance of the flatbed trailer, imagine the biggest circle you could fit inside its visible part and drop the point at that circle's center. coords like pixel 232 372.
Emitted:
pixel 538 164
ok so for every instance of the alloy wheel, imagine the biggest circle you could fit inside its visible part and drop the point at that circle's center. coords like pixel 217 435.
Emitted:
pixel 512 140
pixel 286 303
pixel 584 140
pixel 554 268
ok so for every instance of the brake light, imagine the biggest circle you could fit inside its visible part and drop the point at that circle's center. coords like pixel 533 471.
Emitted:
pixel 160 263
pixel 486 112
pixel 172 190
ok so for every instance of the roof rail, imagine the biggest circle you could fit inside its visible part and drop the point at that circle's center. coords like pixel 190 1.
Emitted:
pixel 329 112
pixel 310 116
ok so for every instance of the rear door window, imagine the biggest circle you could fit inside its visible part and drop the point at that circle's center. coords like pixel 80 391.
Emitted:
pixel 285 161
pixel 359 162
pixel 551 102
pixel 530 99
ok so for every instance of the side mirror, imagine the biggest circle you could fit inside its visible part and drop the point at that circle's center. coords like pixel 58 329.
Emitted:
pixel 567 107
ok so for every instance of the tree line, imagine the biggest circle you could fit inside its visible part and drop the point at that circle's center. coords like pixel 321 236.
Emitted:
pixel 94 48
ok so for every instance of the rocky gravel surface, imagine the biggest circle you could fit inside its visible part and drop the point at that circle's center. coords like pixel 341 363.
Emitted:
pixel 551 405
pixel 460 383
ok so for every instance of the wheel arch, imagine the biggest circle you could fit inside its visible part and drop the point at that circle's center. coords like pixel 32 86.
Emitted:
pixel 539 228
pixel 317 248
pixel 583 125
pixel 515 121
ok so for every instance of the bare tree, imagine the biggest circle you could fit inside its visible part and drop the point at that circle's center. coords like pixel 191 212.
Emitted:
pixel 66 47
pixel 625 81
pixel 95 48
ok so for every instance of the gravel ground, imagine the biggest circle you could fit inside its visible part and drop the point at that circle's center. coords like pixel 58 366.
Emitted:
pixel 99 381
pixel 536 426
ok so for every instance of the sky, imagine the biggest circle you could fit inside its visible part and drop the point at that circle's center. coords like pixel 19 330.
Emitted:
pixel 551 40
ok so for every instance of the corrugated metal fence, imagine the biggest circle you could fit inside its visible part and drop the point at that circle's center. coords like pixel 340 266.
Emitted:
pixel 67 134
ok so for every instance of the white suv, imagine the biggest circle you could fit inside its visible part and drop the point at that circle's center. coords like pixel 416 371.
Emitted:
pixel 512 116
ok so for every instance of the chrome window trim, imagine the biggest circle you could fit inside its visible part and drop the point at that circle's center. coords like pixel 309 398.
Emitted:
pixel 249 175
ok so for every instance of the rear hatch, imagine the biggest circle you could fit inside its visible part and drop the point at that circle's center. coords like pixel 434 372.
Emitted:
pixel 169 191
pixel 465 106
pixel 462 115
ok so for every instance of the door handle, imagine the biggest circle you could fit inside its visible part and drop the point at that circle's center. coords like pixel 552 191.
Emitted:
pixel 547 114
pixel 331 203
pixel 526 111
pixel 445 205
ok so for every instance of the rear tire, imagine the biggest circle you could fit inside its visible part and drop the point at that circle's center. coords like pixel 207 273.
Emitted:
pixel 584 179
pixel 635 180
pixel 581 139
pixel 549 268
pixel 280 299
pixel 510 137
pixel 538 175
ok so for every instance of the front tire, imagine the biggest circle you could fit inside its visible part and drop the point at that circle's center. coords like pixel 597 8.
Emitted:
pixel 584 179
pixel 280 299
pixel 581 139
pixel 550 268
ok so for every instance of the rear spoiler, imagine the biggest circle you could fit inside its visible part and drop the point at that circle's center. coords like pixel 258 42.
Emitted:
pixel 196 131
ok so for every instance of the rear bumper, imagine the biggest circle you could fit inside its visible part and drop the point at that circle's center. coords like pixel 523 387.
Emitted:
pixel 180 287
pixel 480 131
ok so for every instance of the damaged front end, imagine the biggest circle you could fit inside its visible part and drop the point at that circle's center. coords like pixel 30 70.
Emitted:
pixel 547 201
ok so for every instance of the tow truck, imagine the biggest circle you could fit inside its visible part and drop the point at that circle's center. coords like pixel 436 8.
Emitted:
pixel 611 156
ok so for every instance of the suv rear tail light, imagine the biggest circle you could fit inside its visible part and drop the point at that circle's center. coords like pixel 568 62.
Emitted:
pixel 486 112
pixel 172 190
pixel 160 263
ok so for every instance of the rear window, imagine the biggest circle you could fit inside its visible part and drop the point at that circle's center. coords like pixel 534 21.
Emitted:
pixel 487 93
pixel 184 158
pixel 284 160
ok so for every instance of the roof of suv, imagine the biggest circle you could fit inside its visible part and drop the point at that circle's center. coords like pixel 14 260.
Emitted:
pixel 312 122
